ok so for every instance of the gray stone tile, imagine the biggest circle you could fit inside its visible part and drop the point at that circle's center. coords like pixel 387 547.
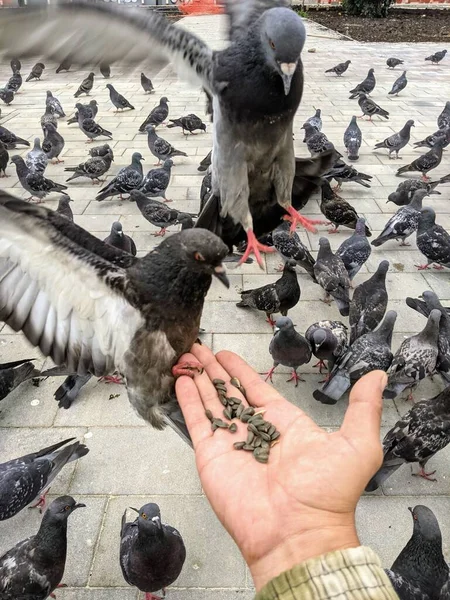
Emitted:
pixel 97 594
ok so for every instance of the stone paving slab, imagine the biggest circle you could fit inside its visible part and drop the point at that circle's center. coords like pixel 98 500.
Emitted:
pixel 130 464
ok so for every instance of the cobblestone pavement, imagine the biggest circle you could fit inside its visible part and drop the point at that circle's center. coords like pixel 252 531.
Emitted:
pixel 129 463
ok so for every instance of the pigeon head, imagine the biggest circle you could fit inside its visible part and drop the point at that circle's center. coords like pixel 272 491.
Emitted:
pixel 137 157
pixel 319 337
pixel 427 218
pixel 283 324
pixel 91 76
pixel 61 508
pixel 202 127
pixel 409 123
pixel 65 199
pixel 371 71
pixel 150 129
pixel 186 221
pixel 149 519
pixel 164 100
pixel 283 37
pixel 348 62
pixel 17 160
pixel 116 227
pixel 431 299
pixel 37 143
pixel 290 265
pixel 318 112
pixel 360 227
pixel 49 94
pixel 425 523
pixel 386 329
pixel 383 267
pixel 324 244
pixel 168 164
pixel 40 65
pixel 93 103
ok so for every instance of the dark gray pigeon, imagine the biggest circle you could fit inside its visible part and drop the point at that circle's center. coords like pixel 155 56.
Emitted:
pixel 55 104
pixel 406 190
pixel 64 65
pixel 399 85
pixel 404 223
pixel 433 241
pixel 159 147
pixel 355 250
pixel 35 183
pixel 49 116
pixel 337 210
pixel 10 139
pixel 14 82
pixel 315 121
pixel 344 173
pixel 205 190
pixel 34 567
pixel 4 159
pixel 157 115
pixel 91 129
pixel 316 141
pixel 415 359
pixel 288 348
pixel 152 554
pixel 85 86
pixel 87 111
pixel 394 62
pixel 36 72
pixel 64 207
pixel 95 296
pixel 443 120
pixel 369 303
pixel 6 95
pixel 332 276
pixel 437 57
pixel 12 374
pixel 120 240
pixel 159 214
pixel 156 182
pixel 36 159
pixel 415 438
pixel 23 480
pixel 426 162
pixel 189 123
pixel 53 143
pixel 431 140
pixel 105 70
pixel 277 297
pixel 370 352
pixel 101 150
pixel 353 139
pixel 15 64
pixel 366 86
pixel 127 179
pixel 119 101
pixel 147 84
pixel 339 69
pixel 290 246
pixel 421 564
pixel 328 340
pixel 370 108
pixel 94 168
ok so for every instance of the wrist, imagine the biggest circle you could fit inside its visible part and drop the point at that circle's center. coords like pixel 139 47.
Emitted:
pixel 301 547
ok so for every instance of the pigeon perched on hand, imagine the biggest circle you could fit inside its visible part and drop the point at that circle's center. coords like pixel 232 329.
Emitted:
pixel 127 179
pixel 119 101
pixel 85 86
pixel 431 140
pixel 406 190
pixel 369 303
pixel 10 139
pixel 147 84
pixel 337 210
pixel 49 116
pixel 404 223
pixel 55 104
pixel 87 111
pixel 23 480
pixel 444 118
pixel 94 168
pixel 157 115
pixel 152 554
pixel 156 182
pixel 353 140
pixel 36 159
pixel 36 72
pixel 394 62
pixel 366 87
pixel 342 172
pixel 159 147
pixel 120 240
pixel 7 96
pixel 63 207
pixel 332 276
pixel 433 241
pixel 399 85
pixel 4 159
pixel 288 348
pixel 35 183
pixel 34 567
pixel 427 162
pixel 159 214
pixel 291 247
pixel 339 69
pixel 316 141
pixel 53 143
pixel 328 340
pixel 370 108
pixel 437 57
pixel 189 123
pixel 355 250
pixel 394 143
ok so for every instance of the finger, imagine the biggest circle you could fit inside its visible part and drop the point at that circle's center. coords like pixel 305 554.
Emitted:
pixel 363 417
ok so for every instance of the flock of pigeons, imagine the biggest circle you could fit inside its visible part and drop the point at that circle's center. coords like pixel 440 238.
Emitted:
pixel 109 285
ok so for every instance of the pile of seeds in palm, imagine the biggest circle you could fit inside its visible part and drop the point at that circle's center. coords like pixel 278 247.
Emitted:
pixel 261 436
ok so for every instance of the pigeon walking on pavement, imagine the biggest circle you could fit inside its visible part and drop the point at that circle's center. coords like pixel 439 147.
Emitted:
pixel 94 168
pixel 159 147
pixel 64 65
pixel 36 159
pixel 399 85
pixel 85 86
pixel 159 214
pixel 427 162
pixel 332 276
pixel 316 141
pixel 35 183
pixel 431 140
pixel 288 348
pixel 7 96
pixel 443 120
pixel 437 57
pixel 63 207
pixel 4 159
pixel 105 70
pixel 355 250
pixel 290 246
pixel 344 173
pixel 120 240
pixel 370 108
pixel 53 143
pixel 87 111
pixel 15 64
pixel 147 84
pixel 156 181
pixel 353 139
pixel 406 189
pixel 337 210
pixel 394 62
pixel 189 123
pixel 366 86
pixel 14 82
pixel 119 101
pixel 55 104
pixel 127 179
pixel 157 115
pixel 36 72
pixel 328 340
pixel 103 150
pixel 49 116
pixel 91 129
pixel 433 241
pixel 340 68
pixel 315 121
pixel 10 139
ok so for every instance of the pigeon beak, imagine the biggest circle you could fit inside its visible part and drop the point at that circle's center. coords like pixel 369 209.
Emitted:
pixel 79 505
pixel 221 275
pixel 287 70
pixel 157 522
pixel 276 330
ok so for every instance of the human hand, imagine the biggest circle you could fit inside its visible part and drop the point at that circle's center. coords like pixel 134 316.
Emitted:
pixel 300 504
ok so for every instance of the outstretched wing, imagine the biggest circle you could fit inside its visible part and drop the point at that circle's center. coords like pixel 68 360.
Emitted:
pixel 242 13
pixel 64 288
pixel 91 32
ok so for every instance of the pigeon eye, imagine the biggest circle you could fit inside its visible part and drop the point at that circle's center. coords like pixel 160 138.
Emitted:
pixel 144 516
pixel 198 256
pixel 415 517
pixel 67 507
pixel 272 45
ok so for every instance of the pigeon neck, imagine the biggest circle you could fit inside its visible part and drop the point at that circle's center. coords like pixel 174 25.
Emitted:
pixel 430 331
pixel 51 539
pixel 416 203
pixel 384 332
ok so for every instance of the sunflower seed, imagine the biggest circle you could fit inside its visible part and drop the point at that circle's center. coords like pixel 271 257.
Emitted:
pixel 237 384
pixel 271 430
pixel 250 437
pixel 248 447
pixel 223 399
pixel 228 413
pixel 262 459
pixel 256 420
pixel 265 445
pixel 220 423
pixel 275 436
pixel 261 454
pixel 232 428
pixel 221 388
pixel 240 409
pixel 265 427
pixel 218 382
pixel 244 417
pixel 209 414
pixel 249 411
pixel 235 401
pixel 214 427
pixel 251 427
pixel 265 436
pixel 239 445
pixel 257 442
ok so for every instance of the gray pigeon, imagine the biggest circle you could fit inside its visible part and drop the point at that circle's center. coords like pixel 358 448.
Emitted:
pixel 147 84
pixel 189 123
pixel 332 276
pixel 366 86
pixel 36 159
pixel 127 179
pixel 87 111
pixel 437 57
pixel 291 247
pixel 12 374
pixel 337 210
pixel 288 348
pixel 159 147
pixel 105 70
pixel 23 480
pixel 394 62
pixel 369 303
pixel 85 86
pixel 328 340
pixel 93 168
pixel 14 82
pixel 421 568
pixel 120 240
pixel 315 121
pixel 103 150
pixel 91 129
pixel 355 250
pixel 444 118
pixel 55 104
pixel 415 438
pixel 34 567
pixel 53 143
pixel 433 241
pixel 157 115
pixel 415 359
pixel 49 116
pixel 15 64
pixel 399 85
pixel 10 139
pixel 353 139
pixel 119 101
pixel 36 72
pixel 342 172
pixel 426 162
pixel 156 182
pixel 107 286
pixel 64 207
pixel 35 183
pixel 6 95
pixel 64 65
pixel 205 163
pixel 339 69
pixel 370 352
pixel 370 108
pixel 152 554
pixel 404 223
pixel 4 159
pixel 431 140
pixel 316 141
pixel 406 190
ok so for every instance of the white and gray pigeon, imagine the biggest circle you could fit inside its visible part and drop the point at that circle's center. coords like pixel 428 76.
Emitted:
pixel 370 352
pixel 159 147
pixel 366 86
pixel 394 62
pixel 443 120
pixel 353 139
pixel 35 183
pixel 332 276
pixel 370 108
pixel 315 121
pixel 156 181
pixel 53 143
pixel 355 250
pixel 157 115
pixel 190 123
pixel 152 553
pixel 340 68
pixel 93 168
pixel 87 111
pixel 118 239
pixel 10 139
pixel 106 287
pixel 316 141
pixel 36 159
pixel 437 57
pixel 420 571
pixel 63 207
pixel 23 480
pixel 404 223
pixel 431 140
pixel 49 116
pixel 127 179
pixel 147 84
pixel 369 303
pixel 34 567
pixel 90 128
pixel 399 85
pixel 328 340
pixel 433 241
pixel 288 348
pixel 420 434
pixel 12 374
pixel 119 101
pixel 406 190
pixel 290 246
pixel 415 359
pixel 427 162
pixel 85 86
pixel 55 104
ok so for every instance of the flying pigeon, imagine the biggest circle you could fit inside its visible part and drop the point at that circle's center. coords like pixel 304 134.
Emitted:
pixel 156 182
pixel 444 118
pixel 147 85
pixel 355 250
pixel 35 183
pixel 36 159
pixel 63 207
pixel 159 147
pixel 189 123
pixel 366 87
pixel 370 108
pixel 85 86
pixel 157 115
pixel 399 85
pixel 332 276
pixel 292 248
pixel 437 57
pixel 353 139
pixel 87 111
pixel 49 116
pixel 339 69
pixel 105 70
pixel 4 159
pixel 426 162
pixel 127 179
pixel 120 240
pixel 430 140
pixel 119 101
pixel 10 139
pixel 337 210
pixel 55 104
pixel 288 348
pixel 432 240
pixel 93 168
pixel 394 62
pixel 64 65
pixel 36 72
pixel 328 340
pixel 53 143
pixel 406 189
